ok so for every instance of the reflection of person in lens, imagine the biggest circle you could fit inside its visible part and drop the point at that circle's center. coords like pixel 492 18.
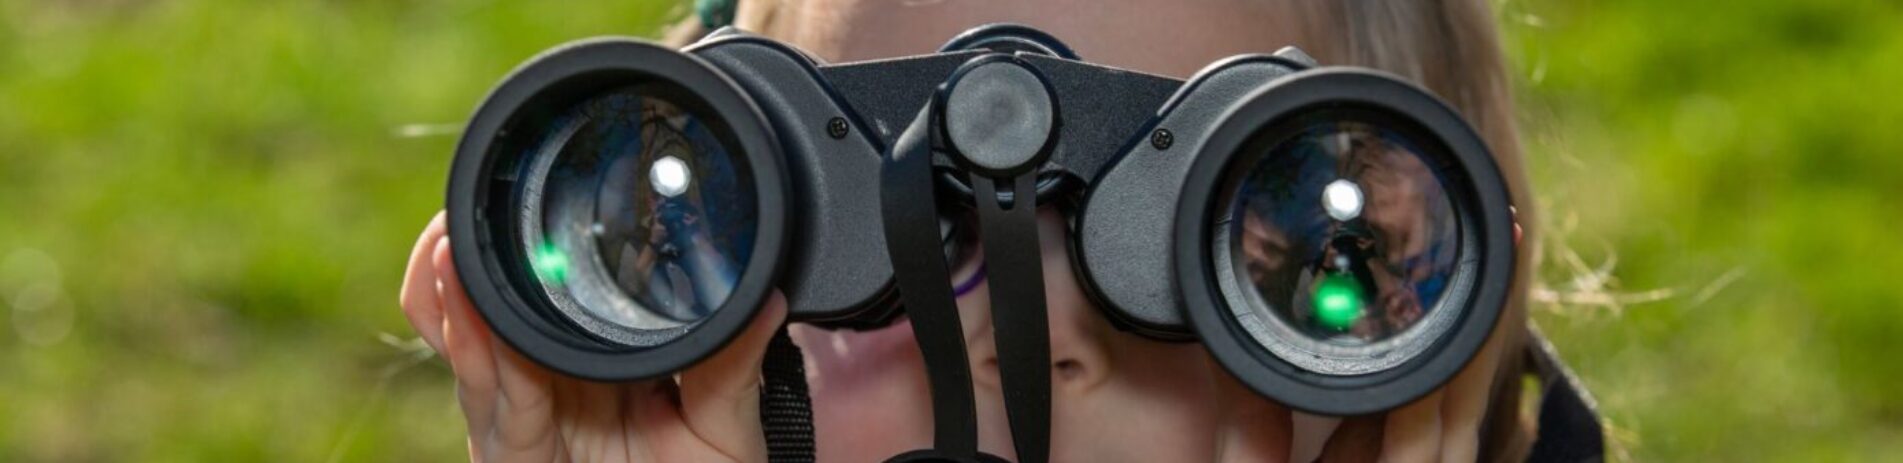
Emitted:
pixel 1345 213
pixel 672 263
pixel 1406 255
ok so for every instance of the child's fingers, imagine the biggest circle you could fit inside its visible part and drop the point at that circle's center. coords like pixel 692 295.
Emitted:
pixel 1413 431
pixel 654 410
pixel 1310 435
pixel 419 298
pixel 597 421
pixel 1353 438
pixel 525 422
pixel 1465 405
pixel 466 338
pixel 1259 429
pixel 720 397
pixel 1471 390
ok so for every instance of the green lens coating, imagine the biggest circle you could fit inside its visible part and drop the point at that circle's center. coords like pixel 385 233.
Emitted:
pixel 1338 301
pixel 550 264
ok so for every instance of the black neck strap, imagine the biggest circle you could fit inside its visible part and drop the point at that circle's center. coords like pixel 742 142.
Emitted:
pixel 1569 428
pixel 910 211
pixel 995 117
pixel 1015 274
pixel 786 408
pixel 1014 264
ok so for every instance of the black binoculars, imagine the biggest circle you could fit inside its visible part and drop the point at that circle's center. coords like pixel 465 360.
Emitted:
pixel 1338 238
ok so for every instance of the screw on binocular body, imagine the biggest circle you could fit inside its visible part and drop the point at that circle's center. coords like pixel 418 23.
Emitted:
pixel 1161 139
pixel 836 128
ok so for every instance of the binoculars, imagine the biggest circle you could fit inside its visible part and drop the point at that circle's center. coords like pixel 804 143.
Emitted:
pixel 1338 238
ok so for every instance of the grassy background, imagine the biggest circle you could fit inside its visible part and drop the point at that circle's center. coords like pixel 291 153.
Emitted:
pixel 205 206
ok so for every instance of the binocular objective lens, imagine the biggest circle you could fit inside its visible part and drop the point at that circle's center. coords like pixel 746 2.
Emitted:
pixel 1343 231
pixel 637 212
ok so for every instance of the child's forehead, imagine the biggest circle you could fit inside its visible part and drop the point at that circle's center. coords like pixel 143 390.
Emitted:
pixel 1171 37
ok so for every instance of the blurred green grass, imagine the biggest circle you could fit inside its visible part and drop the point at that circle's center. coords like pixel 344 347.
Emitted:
pixel 1743 157
pixel 205 206
pixel 217 203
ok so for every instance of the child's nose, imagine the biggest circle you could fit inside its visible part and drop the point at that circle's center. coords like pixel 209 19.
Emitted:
pixel 1080 348
pixel 1080 351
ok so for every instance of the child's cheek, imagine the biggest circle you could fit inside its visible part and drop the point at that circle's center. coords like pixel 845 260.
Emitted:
pixel 870 398
pixel 846 359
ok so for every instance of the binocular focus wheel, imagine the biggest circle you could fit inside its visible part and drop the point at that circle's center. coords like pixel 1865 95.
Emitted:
pixel 1000 116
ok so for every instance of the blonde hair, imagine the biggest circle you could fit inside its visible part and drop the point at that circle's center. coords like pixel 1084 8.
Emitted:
pixel 1452 47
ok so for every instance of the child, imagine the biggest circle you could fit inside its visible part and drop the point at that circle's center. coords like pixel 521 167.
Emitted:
pixel 1116 396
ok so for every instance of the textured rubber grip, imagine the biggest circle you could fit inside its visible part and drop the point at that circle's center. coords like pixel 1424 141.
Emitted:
pixel 786 409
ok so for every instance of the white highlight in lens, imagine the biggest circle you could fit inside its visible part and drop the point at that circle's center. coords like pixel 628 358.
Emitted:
pixel 669 176
pixel 1342 199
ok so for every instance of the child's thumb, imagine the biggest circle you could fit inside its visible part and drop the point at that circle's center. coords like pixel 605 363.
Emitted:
pixel 720 396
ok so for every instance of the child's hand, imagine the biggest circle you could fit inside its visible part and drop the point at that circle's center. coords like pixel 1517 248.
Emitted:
pixel 519 411
pixel 1444 425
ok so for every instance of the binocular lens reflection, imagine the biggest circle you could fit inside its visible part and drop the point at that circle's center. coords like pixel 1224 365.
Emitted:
pixel 1344 232
pixel 646 218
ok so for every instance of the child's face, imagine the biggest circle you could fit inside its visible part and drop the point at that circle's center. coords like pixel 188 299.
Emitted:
pixel 1116 396
pixel 1170 37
